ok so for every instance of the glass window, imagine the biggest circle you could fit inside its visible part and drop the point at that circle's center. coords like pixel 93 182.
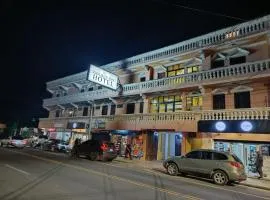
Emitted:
pixel 113 106
pixel 57 113
pixel 170 107
pixel 219 156
pixel 142 79
pixel 130 108
pixel 206 155
pixel 161 75
pixel 160 99
pixel 180 71
pixel 178 106
pixel 194 155
pixel 171 73
pixel 90 89
pixel 154 108
pixel 162 108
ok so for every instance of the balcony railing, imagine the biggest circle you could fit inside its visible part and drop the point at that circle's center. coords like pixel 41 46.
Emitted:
pixel 219 75
pixel 229 114
pixel 217 37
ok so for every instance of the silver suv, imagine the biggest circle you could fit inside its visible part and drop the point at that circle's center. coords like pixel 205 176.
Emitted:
pixel 219 166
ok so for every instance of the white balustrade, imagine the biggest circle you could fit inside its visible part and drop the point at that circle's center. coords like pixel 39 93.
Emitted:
pixel 181 81
pixel 217 37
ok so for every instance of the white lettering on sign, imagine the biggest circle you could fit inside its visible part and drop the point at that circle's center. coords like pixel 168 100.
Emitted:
pixel 102 77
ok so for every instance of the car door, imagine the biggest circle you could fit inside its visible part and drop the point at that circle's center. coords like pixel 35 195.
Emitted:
pixel 189 163
pixel 84 147
pixel 207 163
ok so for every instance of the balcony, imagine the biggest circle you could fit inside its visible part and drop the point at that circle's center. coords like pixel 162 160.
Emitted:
pixel 185 121
pixel 253 70
pixel 214 38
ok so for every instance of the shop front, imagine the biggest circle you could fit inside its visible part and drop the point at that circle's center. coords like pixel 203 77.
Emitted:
pixel 162 144
pixel 243 138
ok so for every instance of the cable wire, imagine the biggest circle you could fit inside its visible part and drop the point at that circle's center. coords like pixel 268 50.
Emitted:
pixel 202 11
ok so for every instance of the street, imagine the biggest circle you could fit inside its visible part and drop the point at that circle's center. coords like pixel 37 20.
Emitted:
pixel 32 174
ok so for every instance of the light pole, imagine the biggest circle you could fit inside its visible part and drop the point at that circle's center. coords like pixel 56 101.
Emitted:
pixel 90 120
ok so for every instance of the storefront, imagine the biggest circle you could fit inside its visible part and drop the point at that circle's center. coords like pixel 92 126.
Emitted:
pixel 162 144
pixel 241 137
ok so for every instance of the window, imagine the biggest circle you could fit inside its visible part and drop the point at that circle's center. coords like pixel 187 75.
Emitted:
pixel 175 70
pixel 65 93
pixel 97 107
pixel 70 113
pixel 164 104
pixel 141 107
pixel 90 89
pixel 237 60
pixel 113 106
pixel 142 79
pixel 161 75
pixel 120 106
pixel 192 69
pixel 57 95
pixel 206 155
pixel 85 111
pixel 57 113
pixel 194 155
pixel 99 87
pixel 219 101
pixel 194 102
pixel 218 63
pixel 130 108
pixel 82 90
pixel 219 156
pixel 104 110
pixel 242 100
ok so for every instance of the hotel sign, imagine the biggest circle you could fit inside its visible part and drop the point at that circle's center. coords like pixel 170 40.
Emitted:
pixel 102 77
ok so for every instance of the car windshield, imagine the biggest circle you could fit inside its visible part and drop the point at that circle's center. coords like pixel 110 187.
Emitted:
pixel 236 158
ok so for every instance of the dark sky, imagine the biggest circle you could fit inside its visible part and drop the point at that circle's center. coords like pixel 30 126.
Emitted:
pixel 45 40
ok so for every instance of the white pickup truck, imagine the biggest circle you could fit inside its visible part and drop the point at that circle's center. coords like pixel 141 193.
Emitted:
pixel 15 141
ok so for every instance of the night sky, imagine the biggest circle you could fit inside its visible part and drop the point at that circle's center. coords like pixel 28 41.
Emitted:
pixel 44 40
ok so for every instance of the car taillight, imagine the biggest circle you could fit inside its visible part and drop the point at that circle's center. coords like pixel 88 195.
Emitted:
pixel 24 141
pixel 236 164
pixel 104 147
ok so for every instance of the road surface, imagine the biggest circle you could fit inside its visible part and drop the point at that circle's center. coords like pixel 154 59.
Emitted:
pixel 27 174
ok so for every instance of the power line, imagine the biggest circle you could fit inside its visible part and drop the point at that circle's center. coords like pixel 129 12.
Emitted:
pixel 202 11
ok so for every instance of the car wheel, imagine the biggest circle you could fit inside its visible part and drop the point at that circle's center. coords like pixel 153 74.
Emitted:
pixel 93 156
pixel 172 169
pixel 220 177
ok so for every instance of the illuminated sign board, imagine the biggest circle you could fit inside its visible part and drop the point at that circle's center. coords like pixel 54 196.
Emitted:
pixel 102 77
pixel 234 126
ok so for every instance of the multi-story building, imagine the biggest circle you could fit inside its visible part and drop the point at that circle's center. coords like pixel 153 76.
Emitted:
pixel 212 91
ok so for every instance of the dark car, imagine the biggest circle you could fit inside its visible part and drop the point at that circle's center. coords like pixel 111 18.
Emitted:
pixel 95 150
pixel 50 145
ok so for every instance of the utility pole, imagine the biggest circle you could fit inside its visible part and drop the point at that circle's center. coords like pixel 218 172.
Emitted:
pixel 90 119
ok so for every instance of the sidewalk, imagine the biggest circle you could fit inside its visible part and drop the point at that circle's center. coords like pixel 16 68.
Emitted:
pixel 157 165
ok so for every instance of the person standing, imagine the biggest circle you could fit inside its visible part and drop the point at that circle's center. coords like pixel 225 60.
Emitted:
pixel 259 164
pixel 128 152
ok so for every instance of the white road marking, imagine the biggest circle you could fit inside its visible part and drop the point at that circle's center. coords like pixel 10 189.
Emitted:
pixel 18 170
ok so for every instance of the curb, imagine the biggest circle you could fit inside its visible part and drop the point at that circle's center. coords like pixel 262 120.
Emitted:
pixel 255 186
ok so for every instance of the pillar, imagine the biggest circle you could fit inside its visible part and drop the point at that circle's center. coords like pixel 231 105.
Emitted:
pixel 159 152
pixel 184 101
pixel 145 141
pixel 146 105
pixel 207 101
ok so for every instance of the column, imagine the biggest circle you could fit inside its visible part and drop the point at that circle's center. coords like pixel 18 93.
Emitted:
pixel 146 105
pixel 145 142
pixel 137 108
pixel 229 100
pixel 184 101
pixel 207 99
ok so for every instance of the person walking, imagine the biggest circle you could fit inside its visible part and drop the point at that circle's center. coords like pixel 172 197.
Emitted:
pixel 259 164
pixel 128 152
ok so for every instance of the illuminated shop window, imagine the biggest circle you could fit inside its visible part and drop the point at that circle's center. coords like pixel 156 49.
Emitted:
pixel 164 104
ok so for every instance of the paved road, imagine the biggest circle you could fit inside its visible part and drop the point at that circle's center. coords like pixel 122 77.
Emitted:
pixel 29 174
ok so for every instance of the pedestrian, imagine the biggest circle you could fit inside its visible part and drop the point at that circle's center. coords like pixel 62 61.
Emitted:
pixel 259 164
pixel 128 152
pixel 75 150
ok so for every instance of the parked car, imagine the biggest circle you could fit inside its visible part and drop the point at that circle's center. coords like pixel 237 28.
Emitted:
pixel 63 146
pixel 38 141
pixel 96 150
pixel 18 141
pixel 50 145
pixel 5 141
pixel 221 167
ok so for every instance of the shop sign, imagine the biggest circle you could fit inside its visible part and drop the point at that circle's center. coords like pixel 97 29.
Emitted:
pixel 234 126
pixel 76 125
pixel 79 130
pixel 102 77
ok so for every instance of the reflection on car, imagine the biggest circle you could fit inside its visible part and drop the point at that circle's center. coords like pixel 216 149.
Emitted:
pixel 221 167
